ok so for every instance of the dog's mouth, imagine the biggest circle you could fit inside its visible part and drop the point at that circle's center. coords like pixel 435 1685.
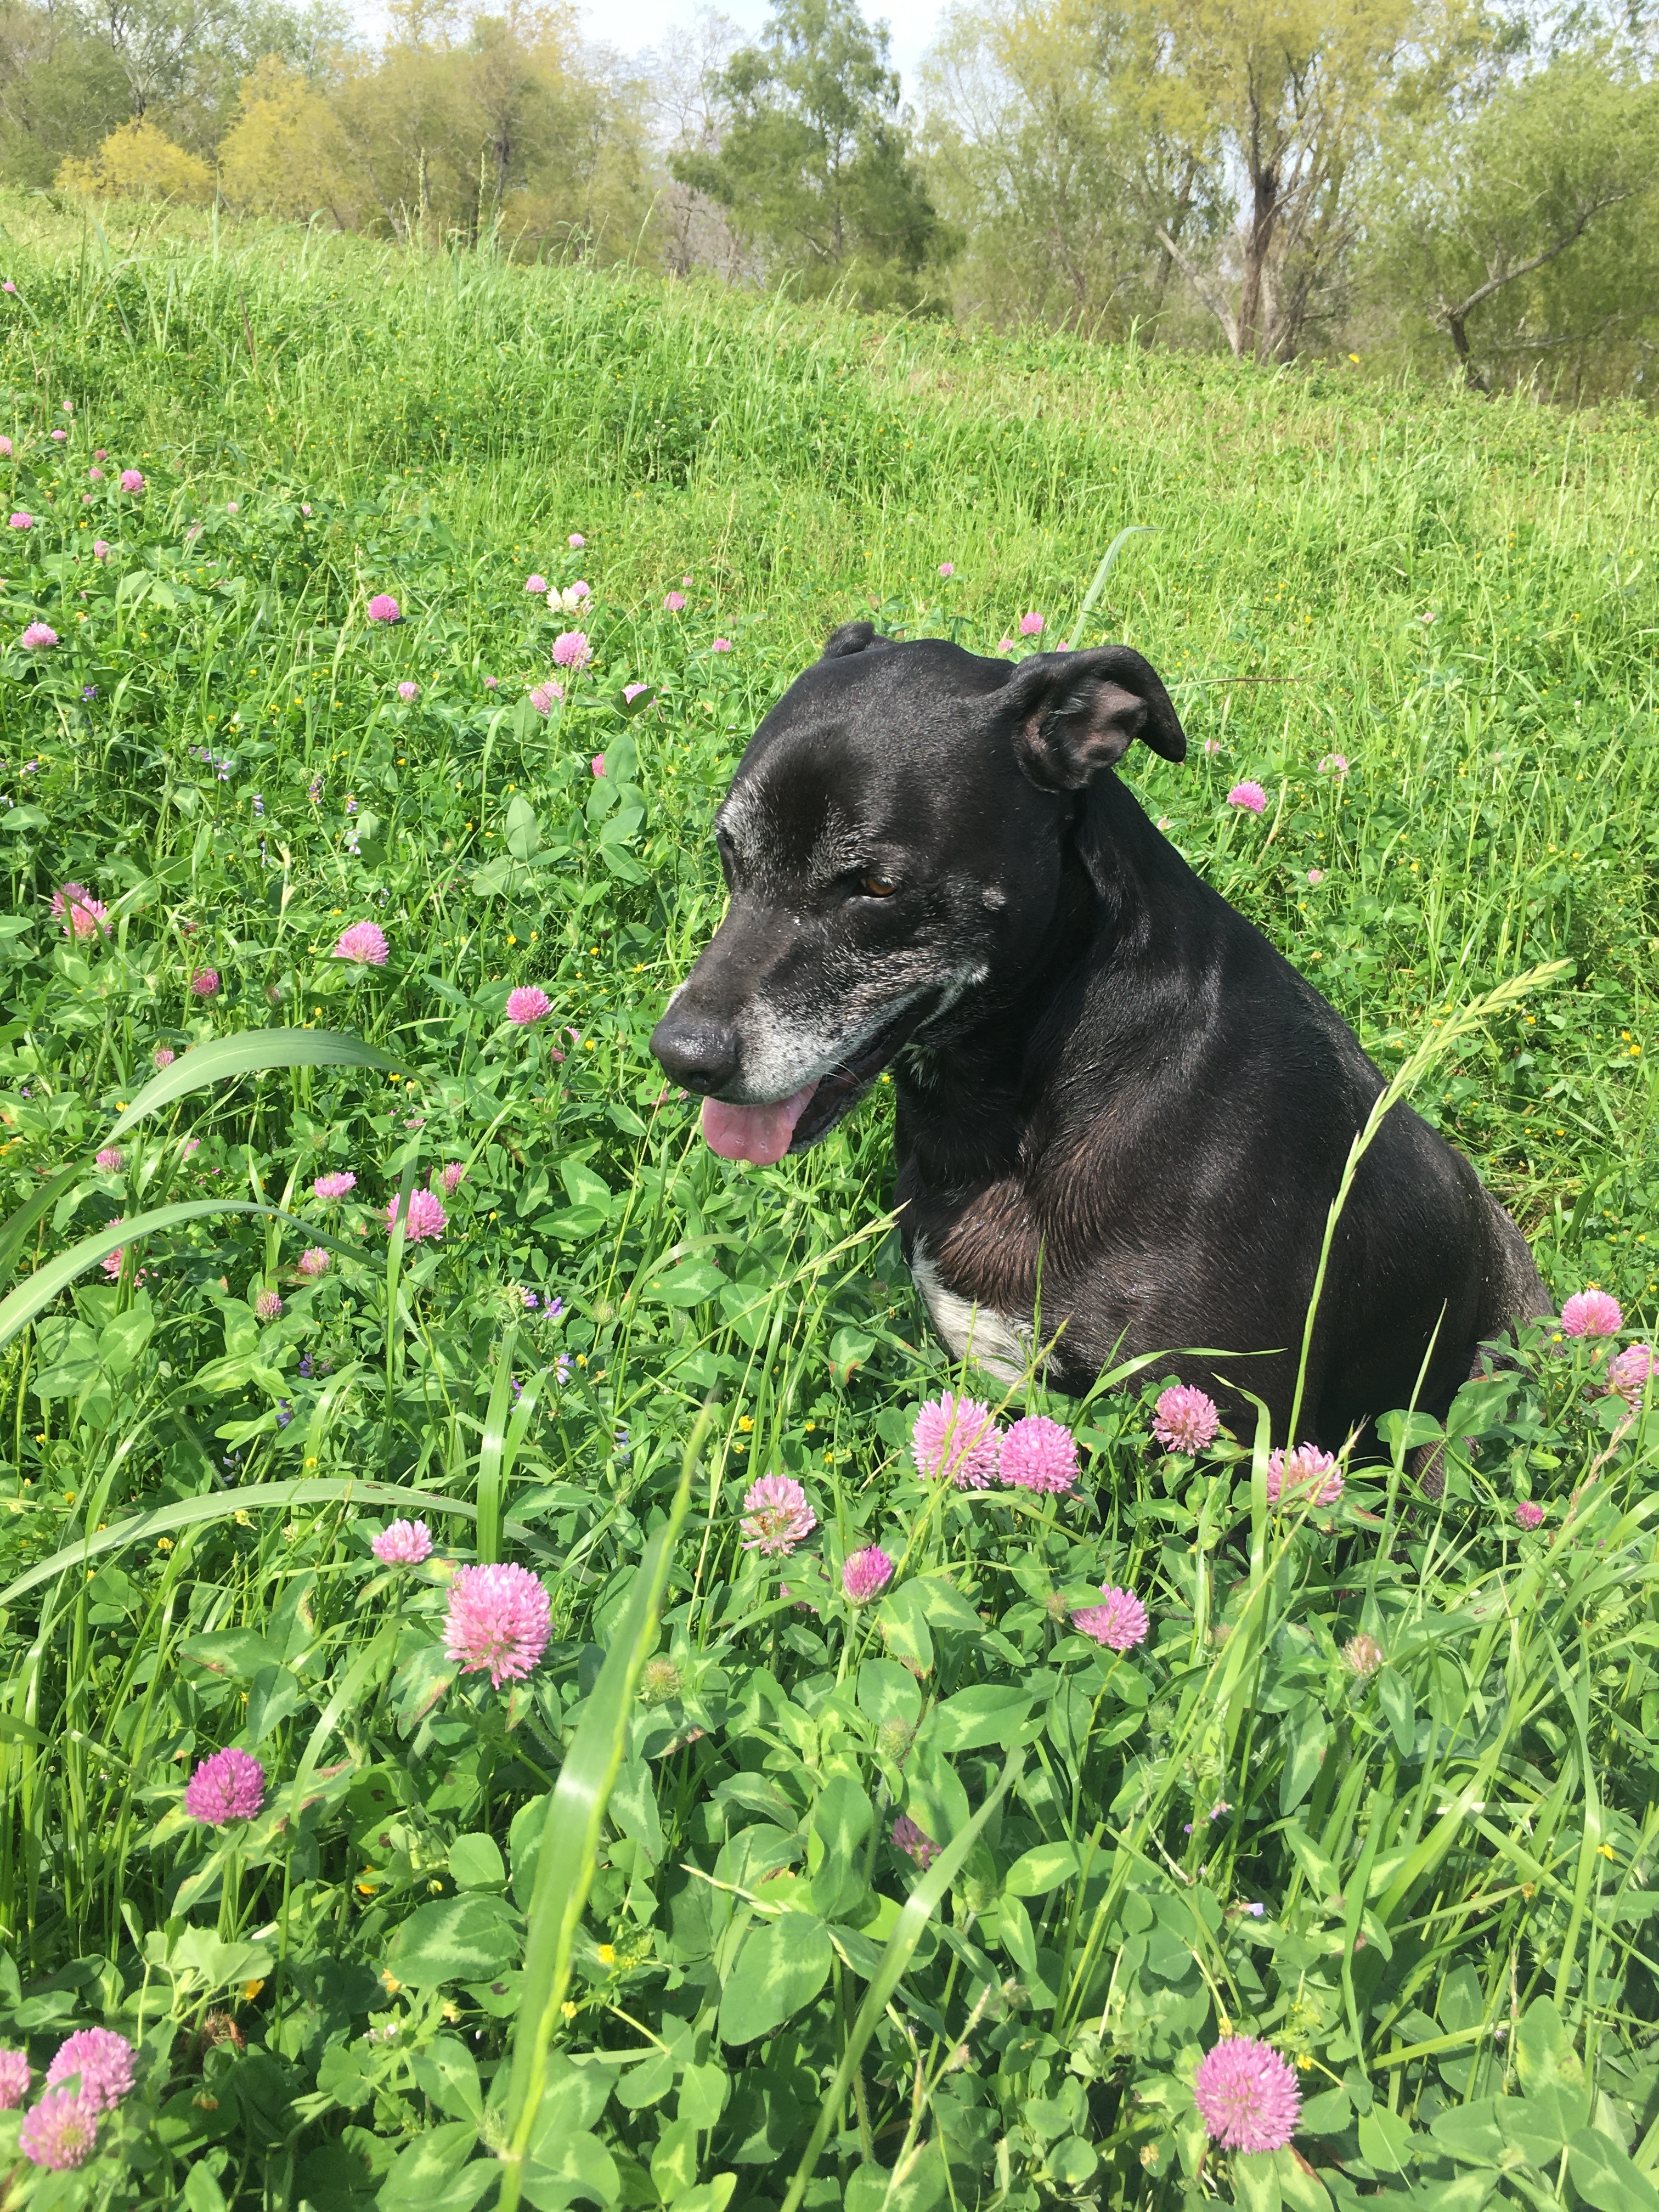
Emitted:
pixel 763 1134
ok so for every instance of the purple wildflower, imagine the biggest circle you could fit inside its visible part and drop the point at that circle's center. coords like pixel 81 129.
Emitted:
pixel 1185 1419
pixel 230 1785
pixel 405 1544
pixel 499 1618
pixel 916 1843
pixel 103 2061
pixel 1119 1621
pixel 426 1217
pixel 1632 1371
pixel 1247 2095
pixel 364 943
pixel 776 1516
pixel 865 1574
pixel 60 2131
pixel 528 1004
pixel 1591 1313
pixel 958 1437
pixel 1038 1454
pixel 1307 1475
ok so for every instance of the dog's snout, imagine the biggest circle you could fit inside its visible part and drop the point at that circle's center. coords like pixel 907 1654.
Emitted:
pixel 696 1050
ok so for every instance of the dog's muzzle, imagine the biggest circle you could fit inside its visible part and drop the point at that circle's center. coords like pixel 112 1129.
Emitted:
pixel 764 1133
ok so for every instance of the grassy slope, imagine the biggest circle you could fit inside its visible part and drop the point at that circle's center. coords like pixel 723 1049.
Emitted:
pixel 1454 596
pixel 1457 597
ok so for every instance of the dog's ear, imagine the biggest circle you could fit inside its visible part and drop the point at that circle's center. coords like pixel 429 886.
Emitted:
pixel 855 637
pixel 1074 714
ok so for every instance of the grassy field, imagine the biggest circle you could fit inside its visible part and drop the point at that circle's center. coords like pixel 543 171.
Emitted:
pixel 1381 1785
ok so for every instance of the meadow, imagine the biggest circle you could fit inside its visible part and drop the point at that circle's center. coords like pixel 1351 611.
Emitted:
pixel 769 1883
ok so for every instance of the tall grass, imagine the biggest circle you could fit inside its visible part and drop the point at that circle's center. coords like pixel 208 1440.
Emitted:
pixel 1376 1788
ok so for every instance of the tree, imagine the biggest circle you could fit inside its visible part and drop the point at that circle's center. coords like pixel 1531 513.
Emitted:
pixel 61 91
pixel 286 153
pixel 1524 232
pixel 139 162
pixel 815 168
pixel 690 117
pixel 185 59
pixel 1041 149
pixel 493 124
pixel 1290 93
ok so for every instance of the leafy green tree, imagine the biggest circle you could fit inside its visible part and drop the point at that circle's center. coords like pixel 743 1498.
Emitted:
pixel 1525 234
pixel 62 92
pixel 1285 95
pixel 461 126
pixel 1090 149
pixel 185 60
pixel 816 168
pixel 72 72
pixel 1041 148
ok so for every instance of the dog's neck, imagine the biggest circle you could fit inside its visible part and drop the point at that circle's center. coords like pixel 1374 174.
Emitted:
pixel 980 1092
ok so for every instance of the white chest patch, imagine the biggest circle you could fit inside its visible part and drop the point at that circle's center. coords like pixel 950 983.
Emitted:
pixel 1000 1343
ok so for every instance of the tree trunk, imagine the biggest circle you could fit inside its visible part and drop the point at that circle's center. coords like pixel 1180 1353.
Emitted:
pixel 1456 323
pixel 1258 241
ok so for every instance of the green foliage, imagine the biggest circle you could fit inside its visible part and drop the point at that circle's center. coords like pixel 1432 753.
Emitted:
pixel 815 167
pixel 1047 151
pixel 1523 230
pixel 1379 1787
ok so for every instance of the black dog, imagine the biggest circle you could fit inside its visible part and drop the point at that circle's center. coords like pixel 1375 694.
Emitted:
pixel 1122 1116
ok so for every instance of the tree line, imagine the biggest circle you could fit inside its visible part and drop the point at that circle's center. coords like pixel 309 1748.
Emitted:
pixel 1442 181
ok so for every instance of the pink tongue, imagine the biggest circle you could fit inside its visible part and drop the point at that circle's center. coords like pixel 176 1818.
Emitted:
pixel 760 1133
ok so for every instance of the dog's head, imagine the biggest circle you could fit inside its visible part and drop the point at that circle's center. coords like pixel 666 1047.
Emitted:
pixel 892 838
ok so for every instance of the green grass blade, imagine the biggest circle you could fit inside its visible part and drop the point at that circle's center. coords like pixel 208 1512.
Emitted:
pixel 19 1307
pixel 251 1054
pixel 570 1836
pixel 353 1683
pixel 394 1267
pixel 255 1496
pixel 920 1908
pixel 1135 529
pixel 18 1227
pixel 1432 1047
pixel 490 1451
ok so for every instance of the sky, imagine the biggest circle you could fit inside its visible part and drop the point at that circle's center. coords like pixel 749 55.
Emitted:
pixel 630 26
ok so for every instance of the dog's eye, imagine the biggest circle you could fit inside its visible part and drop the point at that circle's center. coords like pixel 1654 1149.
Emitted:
pixel 874 884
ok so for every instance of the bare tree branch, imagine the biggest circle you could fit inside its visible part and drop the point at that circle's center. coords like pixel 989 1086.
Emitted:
pixel 1451 315
pixel 1201 285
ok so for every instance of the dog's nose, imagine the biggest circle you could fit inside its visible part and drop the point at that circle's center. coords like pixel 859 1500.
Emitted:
pixel 697 1051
